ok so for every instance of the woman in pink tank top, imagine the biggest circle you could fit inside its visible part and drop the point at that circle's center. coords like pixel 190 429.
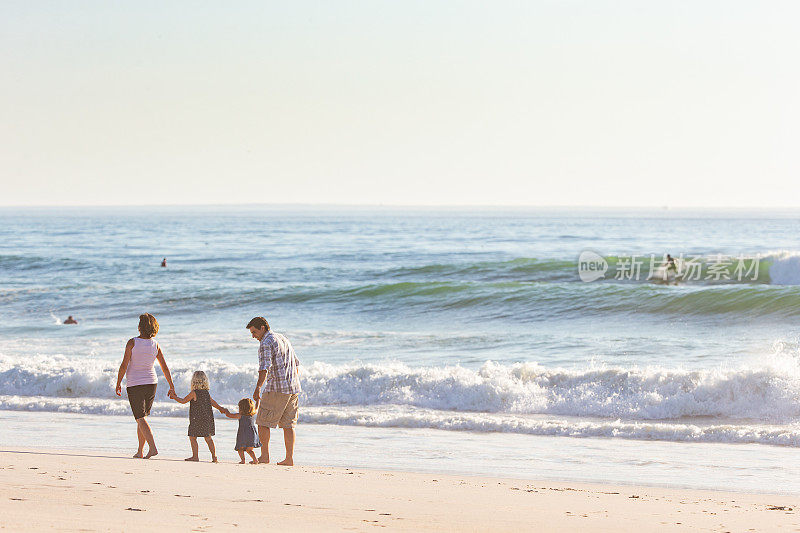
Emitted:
pixel 138 367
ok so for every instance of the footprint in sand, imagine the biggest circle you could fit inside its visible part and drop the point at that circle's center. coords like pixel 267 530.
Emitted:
pixel 133 509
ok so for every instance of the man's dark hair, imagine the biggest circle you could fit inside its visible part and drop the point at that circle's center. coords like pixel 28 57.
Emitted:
pixel 258 323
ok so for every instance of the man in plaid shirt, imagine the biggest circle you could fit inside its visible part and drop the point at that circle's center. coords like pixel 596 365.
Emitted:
pixel 279 367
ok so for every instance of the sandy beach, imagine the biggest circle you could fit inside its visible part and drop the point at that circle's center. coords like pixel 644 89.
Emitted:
pixel 50 490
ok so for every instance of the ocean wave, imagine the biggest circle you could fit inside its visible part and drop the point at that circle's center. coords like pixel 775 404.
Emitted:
pixel 784 268
pixel 735 432
pixel 518 300
pixel 768 391
pixel 780 267
pixel 521 289
pixel 776 268
pixel 781 435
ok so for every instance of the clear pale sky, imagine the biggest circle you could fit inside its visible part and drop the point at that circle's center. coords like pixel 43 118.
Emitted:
pixel 597 102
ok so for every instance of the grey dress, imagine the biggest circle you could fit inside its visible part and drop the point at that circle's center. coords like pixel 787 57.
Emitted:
pixel 201 418
pixel 247 436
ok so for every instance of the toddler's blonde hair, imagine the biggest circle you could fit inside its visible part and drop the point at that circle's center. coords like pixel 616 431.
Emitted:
pixel 200 381
pixel 247 407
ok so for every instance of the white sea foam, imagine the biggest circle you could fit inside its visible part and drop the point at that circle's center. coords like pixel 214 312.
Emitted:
pixel 394 416
pixel 784 268
pixel 766 390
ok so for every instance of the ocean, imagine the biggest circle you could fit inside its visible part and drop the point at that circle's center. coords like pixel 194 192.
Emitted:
pixel 461 340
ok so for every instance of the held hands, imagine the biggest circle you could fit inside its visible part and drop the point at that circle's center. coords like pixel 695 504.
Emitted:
pixel 171 394
pixel 257 395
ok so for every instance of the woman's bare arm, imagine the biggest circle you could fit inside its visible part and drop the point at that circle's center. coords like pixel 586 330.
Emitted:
pixel 123 367
pixel 165 369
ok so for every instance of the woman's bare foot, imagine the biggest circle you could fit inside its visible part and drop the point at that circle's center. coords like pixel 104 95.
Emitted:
pixel 286 462
pixel 151 453
pixel 137 455
pixel 242 462
pixel 264 459
pixel 195 459
pixel 214 460
pixel 252 462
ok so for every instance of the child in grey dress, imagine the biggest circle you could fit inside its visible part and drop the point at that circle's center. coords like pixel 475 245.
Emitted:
pixel 201 417
pixel 247 436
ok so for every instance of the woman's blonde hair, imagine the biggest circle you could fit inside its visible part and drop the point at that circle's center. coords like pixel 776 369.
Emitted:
pixel 200 381
pixel 247 407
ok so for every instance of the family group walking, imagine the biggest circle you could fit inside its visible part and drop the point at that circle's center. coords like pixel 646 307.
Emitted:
pixel 278 374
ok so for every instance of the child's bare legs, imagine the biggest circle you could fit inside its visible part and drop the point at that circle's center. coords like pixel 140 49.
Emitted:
pixel 252 454
pixel 288 440
pixel 212 449
pixel 241 456
pixel 143 430
pixel 193 443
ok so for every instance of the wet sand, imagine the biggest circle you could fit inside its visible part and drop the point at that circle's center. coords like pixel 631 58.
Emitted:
pixel 44 490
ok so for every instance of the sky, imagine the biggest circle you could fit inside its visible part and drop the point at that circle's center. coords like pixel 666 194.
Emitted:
pixel 542 103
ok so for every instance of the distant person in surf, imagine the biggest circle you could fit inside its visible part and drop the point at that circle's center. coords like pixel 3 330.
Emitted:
pixel 138 368
pixel 164 262
pixel 670 263
pixel 279 367
pixel 70 320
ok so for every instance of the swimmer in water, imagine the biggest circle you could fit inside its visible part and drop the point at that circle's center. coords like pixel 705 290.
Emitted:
pixel 164 262
pixel 671 263
pixel 70 320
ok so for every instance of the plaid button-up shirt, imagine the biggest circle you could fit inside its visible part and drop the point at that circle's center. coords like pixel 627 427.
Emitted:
pixel 277 357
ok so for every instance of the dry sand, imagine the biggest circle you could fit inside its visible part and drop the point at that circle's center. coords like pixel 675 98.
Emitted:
pixel 42 490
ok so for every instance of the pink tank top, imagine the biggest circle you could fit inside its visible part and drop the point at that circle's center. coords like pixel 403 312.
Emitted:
pixel 141 368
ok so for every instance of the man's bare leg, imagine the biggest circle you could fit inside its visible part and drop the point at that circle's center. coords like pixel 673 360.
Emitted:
pixel 263 436
pixel 193 444
pixel 140 436
pixel 212 449
pixel 288 440
pixel 144 427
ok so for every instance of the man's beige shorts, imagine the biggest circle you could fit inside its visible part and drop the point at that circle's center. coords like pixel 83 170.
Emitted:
pixel 277 410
